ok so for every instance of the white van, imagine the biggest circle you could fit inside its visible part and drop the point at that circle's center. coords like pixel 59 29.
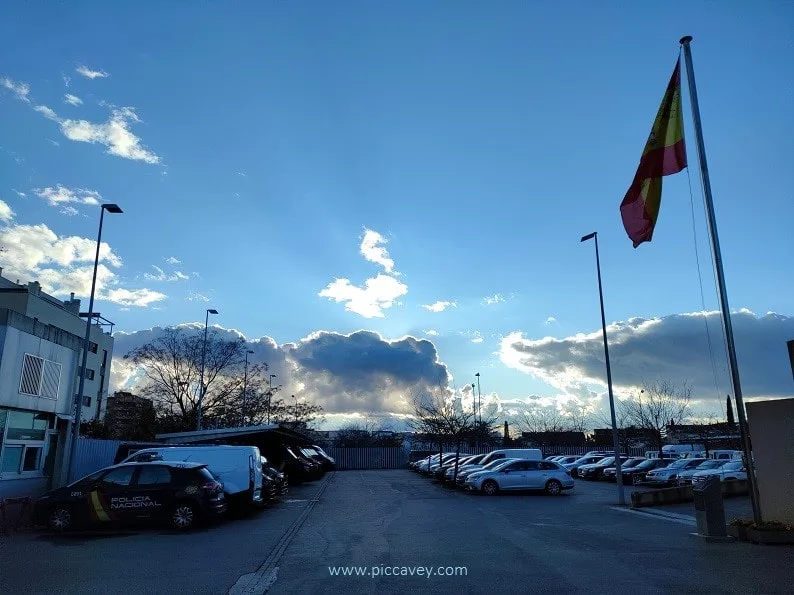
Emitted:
pixel 677 451
pixel 238 467
pixel 725 454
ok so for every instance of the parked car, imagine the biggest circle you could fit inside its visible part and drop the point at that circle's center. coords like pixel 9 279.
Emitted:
pixel 280 486
pixel 685 477
pixel 668 476
pixel 180 493
pixel 449 474
pixel 636 474
pixel 521 475
pixel 610 473
pixel 587 459
pixel 594 470
pixel 730 471
pixel 461 479
pixel 238 467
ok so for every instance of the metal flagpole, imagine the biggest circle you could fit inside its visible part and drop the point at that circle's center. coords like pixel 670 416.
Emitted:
pixel 723 295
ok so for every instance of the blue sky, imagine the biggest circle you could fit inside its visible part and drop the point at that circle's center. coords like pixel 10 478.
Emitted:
pixel 480 142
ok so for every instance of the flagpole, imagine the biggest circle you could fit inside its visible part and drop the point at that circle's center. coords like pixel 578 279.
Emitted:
pixel 723 295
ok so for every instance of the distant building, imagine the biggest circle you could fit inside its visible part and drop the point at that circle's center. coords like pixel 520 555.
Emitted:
pixel 130 417
pixel 41 340
pixel 635 436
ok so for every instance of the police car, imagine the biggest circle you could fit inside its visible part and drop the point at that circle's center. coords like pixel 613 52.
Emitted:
pixel 177 492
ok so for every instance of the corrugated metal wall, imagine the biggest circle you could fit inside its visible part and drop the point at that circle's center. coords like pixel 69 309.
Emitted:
pixel 92 455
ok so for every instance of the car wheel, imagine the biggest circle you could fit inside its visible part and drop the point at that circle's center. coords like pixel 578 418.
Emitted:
pixel 490 487
pixel 184 516
pixel 553 487
pixel 60 519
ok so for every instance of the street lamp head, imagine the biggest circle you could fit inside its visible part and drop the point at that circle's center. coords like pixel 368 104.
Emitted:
pixel 477 374
pixel 212 311
pixel 589 236
pixel 272 375
pixel 112 208
pixel 250 351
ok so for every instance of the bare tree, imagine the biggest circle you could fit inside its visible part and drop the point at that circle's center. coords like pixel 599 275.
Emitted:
pixel 295 413
pixel 436 416
pixel 658 405
pixel 578 417
pixel 171 366
pixel 541 420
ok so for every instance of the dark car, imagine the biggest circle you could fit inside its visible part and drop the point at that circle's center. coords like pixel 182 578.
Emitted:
pixel 635 474
pixel 610 472
pixel 179 493
pixel 275 482
pixel 594 471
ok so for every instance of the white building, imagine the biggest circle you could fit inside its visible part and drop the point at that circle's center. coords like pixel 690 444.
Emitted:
pixel 41 341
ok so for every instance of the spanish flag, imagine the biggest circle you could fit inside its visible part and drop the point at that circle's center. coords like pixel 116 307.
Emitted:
pixel 664 154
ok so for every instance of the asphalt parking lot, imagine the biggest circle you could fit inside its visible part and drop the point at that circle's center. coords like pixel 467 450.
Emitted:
pixel 387 522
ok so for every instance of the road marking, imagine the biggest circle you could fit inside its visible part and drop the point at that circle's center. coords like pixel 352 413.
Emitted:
pixel 258 583
pixel 660 514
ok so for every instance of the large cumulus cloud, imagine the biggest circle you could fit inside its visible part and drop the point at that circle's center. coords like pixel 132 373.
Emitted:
pixel 674 347
pixel 346 374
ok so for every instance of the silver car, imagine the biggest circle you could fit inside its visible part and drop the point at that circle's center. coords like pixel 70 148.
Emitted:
pixel 521 475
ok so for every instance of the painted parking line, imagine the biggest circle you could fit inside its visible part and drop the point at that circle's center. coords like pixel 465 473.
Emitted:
pixel 660 514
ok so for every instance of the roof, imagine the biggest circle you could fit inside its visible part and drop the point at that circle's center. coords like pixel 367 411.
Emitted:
pixel 231 433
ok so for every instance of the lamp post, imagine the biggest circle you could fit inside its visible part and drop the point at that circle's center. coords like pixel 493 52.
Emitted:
pixel 269 395
pixel 78 399
pixel 479 396
pixel 245 384
pixel 296 411
pixel 202 388
pixel 615 441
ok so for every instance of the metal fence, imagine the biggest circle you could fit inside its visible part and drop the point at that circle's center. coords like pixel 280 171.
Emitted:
pixel 92 455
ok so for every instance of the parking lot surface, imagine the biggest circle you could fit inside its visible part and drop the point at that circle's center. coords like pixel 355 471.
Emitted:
pixel 387 522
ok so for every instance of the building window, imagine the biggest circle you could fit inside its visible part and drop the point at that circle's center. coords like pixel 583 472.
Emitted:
pixel 89 373
pixel 92 347
pixel 22 435
pixel 40 377
pixel 86 401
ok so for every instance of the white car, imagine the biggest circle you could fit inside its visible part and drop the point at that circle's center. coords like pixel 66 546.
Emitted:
pixel 685 477
pixel 521 475
pixel 730 471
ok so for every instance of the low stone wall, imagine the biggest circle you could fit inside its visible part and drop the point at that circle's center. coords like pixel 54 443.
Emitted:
pixel 679 494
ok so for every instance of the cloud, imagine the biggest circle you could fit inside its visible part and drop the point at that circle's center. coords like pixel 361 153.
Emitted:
pixel 6 212
pixel 46 112
pixel 346 374
pixel 378 293
pixel 18 193
pixel 134 297
pixel 473 336
pixel 439 306
pixel 69 211
pixel 114 134
pixel 21 90
pixel 373 250
pixel 490 300
pixel 197 297
pixel 431 333
pixel 673 348
pixel 241 174
pixel 161 275
pixel 65 264
pixel 173 260
pixel 369 301
pixel 550 320
pixel 91 74
pixel 60 195
pixel 67 80
pixel 72 99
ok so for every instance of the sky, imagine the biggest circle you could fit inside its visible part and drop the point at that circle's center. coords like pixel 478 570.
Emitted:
pixel 385 197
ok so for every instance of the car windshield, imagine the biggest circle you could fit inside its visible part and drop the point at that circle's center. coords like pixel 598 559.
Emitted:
pixel 645 464
pixel 678 464
pixel 733 466
pixel 710 465
pixel 605 462
pixel 496 464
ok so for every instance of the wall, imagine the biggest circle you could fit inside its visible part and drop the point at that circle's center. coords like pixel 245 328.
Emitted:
pixel 12 351
pixel 771 434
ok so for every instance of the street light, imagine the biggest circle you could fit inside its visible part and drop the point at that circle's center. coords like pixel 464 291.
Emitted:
pixel 615 441
pixel 245 383
pixel 202 388
pixel 296 410
pixel 269 395
pixel 78 400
